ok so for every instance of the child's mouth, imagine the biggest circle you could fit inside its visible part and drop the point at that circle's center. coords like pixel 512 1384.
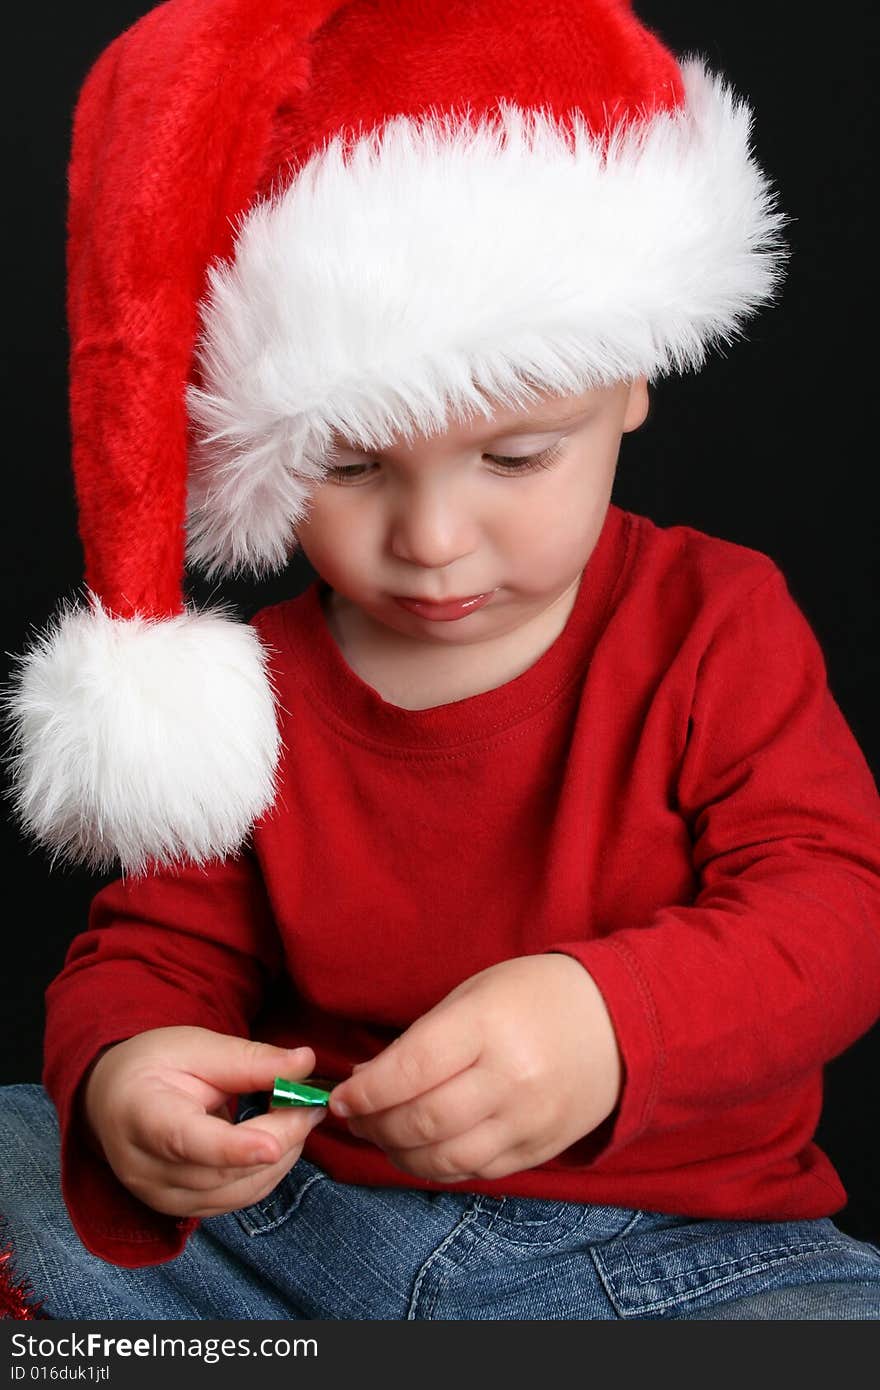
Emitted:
pixel 444 612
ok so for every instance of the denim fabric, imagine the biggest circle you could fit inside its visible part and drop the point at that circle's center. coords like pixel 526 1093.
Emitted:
pixel 315 1248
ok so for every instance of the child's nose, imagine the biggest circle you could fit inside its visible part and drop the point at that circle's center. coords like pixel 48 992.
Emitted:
pixel 432 527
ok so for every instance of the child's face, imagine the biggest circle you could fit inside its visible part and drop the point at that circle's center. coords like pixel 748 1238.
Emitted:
pixel 452 516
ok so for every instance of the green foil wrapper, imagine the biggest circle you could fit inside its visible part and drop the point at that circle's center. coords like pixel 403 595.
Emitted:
pixel 309 1092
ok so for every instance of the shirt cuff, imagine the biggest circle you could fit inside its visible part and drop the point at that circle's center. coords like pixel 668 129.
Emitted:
pixel 620 981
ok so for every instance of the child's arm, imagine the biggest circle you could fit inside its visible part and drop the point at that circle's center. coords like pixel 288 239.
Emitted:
pixel 771 971
pixel 197 948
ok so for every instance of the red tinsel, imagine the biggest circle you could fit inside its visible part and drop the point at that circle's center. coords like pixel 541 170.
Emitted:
pixel 16 1296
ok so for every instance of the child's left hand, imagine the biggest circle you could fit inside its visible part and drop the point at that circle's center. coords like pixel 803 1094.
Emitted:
pixel 512 1067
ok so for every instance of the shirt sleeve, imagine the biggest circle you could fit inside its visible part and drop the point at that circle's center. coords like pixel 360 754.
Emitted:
pixel 195 946
pixel 774 968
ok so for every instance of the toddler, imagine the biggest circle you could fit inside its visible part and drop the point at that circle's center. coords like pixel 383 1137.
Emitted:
pixel 531 826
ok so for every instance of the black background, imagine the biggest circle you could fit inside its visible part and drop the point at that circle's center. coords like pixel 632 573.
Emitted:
pixel 771 445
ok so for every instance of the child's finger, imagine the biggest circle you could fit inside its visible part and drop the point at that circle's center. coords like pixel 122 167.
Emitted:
pixel 452 1108
pixel 279 1132
pixel 239 1065
pixel 481 1153
pixel 436 1047
pixel 226 1197
pixel 174 1127
pixel 197 1177
pixel 190 1186
pixel 203 1178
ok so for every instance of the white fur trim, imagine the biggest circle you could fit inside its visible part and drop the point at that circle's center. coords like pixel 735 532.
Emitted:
pixel 140 740
pixel 437 263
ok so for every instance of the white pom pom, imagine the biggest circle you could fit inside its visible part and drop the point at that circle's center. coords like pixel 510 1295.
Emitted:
pixel 142 740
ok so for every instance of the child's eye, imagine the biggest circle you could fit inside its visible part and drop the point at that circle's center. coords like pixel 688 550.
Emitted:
pixel 528 463
pixel 348 473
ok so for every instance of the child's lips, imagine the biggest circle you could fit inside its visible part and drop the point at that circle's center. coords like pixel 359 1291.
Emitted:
pixel 444 612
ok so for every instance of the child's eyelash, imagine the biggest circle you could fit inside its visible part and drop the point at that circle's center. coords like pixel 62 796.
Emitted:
pixel 527 463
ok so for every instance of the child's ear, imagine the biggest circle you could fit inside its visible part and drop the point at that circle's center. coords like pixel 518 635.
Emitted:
pixel 637 405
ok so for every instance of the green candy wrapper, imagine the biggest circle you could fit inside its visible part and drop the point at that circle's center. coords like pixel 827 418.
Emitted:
pixel 299 1092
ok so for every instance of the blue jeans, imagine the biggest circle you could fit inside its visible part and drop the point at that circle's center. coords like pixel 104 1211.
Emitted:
pixel 315 1248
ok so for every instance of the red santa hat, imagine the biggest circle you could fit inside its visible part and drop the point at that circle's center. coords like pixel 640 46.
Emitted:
pixel 290 218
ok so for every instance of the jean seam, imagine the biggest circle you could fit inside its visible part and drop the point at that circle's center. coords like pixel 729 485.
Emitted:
pixel 253 1230
pixel 690 1295
pixel 549 1220
pixel 467 1220
pixel 464 1221
pixel 500 1237
pixel 792 1254
pixel 794 1248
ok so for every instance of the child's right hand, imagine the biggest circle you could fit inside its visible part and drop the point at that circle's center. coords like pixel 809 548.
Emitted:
pixel 157 1105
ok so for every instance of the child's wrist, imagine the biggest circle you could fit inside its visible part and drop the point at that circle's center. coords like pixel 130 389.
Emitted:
pixel 86 1127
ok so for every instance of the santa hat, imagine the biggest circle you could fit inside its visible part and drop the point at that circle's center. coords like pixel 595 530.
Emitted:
pixel 291 218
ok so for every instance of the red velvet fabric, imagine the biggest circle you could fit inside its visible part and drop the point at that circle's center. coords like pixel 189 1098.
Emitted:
pixel 169 138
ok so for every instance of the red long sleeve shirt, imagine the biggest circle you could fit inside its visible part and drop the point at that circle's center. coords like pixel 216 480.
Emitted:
pixel 670 795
